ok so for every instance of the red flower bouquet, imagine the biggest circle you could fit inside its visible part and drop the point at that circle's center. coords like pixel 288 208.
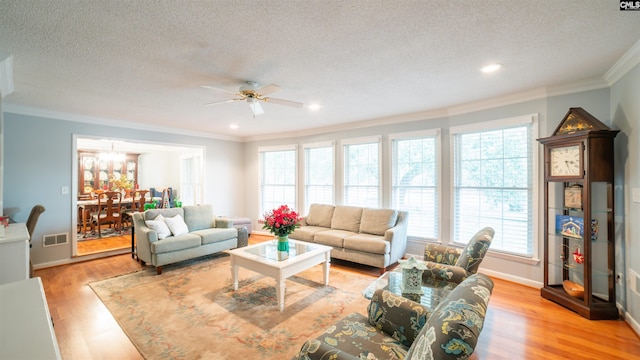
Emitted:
pixel 281 221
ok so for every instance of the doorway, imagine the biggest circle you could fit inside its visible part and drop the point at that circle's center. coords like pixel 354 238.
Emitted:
pixel 105 164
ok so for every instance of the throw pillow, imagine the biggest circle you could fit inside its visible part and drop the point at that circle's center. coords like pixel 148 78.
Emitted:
pixel 177 225
pixel 159 226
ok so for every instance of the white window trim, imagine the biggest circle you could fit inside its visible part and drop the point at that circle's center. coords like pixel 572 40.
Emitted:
pixel 363 140
pixel 502 123
pixel 262 149
pixel 303 173
pixel 388 177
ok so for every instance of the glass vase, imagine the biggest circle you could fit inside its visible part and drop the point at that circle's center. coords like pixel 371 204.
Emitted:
pixel 283 243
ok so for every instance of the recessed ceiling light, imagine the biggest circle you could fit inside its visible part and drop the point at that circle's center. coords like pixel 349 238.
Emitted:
pixel 491 68
pixel 233 126
pixel 314 107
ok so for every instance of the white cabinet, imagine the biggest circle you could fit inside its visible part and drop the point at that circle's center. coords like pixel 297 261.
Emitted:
pixel 26 330
pixel 14 253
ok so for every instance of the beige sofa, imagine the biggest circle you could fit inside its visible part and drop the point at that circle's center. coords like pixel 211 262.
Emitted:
pixel 374 237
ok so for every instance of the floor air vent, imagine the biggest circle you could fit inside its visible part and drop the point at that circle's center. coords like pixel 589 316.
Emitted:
pixel 55 239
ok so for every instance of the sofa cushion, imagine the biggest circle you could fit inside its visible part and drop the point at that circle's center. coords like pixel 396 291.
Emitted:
pixel 320 215
pixel 353 338
pixel 346 218
pixel 333 238
pixel 374 244
pixel 212 235
pixel 199 217
pixel 151 214
pixel 377 221
pixel 175 243
pixel 160 226
pixel 177 225
pixel 307 233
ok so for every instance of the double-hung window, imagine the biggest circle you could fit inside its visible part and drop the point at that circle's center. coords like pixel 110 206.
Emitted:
pixel 191 179
pixel 493 183
pixel 362 172
pixel 277 177
pixel 319 173
pixel 415 179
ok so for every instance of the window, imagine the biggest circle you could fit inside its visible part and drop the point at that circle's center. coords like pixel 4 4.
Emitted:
pixel 493 177
pixel 318 174
pixel 362 172
pixel 191 179
pixel 277 178
pixel 415 178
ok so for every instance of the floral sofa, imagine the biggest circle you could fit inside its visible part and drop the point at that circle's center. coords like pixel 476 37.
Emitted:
pixel 454 264
pixel 398 328
pixel 369 236
pixel 166 236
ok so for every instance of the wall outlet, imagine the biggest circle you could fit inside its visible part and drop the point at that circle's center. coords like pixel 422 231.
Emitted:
pixel 635 195
pixel 64 190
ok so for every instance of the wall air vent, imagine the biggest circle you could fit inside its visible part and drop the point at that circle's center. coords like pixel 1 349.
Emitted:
pixel 55 239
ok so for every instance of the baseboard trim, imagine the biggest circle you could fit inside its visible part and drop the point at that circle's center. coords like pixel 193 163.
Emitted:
pixel 81 258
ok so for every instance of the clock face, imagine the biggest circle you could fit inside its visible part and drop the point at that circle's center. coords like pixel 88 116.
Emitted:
pixel 565 161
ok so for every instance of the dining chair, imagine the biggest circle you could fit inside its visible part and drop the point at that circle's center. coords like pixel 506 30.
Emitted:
pixel 138 198
pixel 109 211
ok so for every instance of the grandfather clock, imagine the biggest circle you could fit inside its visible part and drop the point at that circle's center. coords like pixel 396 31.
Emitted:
pixel 579 241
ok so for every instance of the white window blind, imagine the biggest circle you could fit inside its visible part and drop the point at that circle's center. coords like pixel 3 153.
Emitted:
pixel 277 178
pixel 362 173
pixel 319 168
pixel 493 176
pixel 415 181
pixel 191 180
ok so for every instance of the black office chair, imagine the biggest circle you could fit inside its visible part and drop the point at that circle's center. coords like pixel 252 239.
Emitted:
pixel 31 225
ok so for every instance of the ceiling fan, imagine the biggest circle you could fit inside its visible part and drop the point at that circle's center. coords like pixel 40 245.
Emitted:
pixel 253 94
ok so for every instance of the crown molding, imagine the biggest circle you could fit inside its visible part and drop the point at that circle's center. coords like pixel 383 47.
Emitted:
pixel 31 111
pixel 6 74
pixel 627 62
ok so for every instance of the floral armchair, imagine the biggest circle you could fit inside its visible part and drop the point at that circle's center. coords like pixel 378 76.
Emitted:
pixel 455 265
pixel 398 328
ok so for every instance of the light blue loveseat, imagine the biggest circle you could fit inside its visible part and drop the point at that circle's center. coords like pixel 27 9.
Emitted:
pixel 206 235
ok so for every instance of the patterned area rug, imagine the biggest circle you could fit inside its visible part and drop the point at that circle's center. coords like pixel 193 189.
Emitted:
pixel 106 232
pixel 192 312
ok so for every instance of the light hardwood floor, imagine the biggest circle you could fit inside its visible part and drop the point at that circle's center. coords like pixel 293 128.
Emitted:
pixel 519 324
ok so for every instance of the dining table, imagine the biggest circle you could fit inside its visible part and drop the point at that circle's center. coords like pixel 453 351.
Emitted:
pixel 87 207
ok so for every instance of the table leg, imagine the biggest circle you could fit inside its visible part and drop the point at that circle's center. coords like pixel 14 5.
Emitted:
pixel 325 267
pixel 234 274
pixel 280 289
pixel 133 247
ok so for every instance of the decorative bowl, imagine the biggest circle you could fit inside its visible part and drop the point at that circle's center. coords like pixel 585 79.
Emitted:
pixel 573 289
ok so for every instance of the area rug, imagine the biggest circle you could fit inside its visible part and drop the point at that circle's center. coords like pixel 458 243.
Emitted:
pixel 192 312
pixel 107 232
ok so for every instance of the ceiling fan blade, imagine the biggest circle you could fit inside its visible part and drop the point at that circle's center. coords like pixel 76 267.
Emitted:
pixel 285 102
pixel 220 90
pixel 256 108
pixel 222 102
pixel 268 89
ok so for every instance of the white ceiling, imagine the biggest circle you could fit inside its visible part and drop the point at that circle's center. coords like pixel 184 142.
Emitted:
pixel 143 63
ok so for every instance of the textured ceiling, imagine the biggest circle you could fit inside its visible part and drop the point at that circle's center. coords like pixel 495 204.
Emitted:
pixel 145 61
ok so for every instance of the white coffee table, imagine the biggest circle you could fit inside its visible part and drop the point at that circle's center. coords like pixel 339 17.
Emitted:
pixel 264 258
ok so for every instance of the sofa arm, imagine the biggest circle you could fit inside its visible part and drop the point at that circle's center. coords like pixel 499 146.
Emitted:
pixel 451 273
pixel 144 237
pixel 223 223
pixel 397 237
pixel 397 316
pixel 316 349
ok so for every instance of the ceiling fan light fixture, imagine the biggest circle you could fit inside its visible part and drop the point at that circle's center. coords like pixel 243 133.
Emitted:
pixel 491 68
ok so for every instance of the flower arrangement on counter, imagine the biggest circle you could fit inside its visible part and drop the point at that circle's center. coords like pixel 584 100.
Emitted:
pixel 281 221
pixel 121 183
